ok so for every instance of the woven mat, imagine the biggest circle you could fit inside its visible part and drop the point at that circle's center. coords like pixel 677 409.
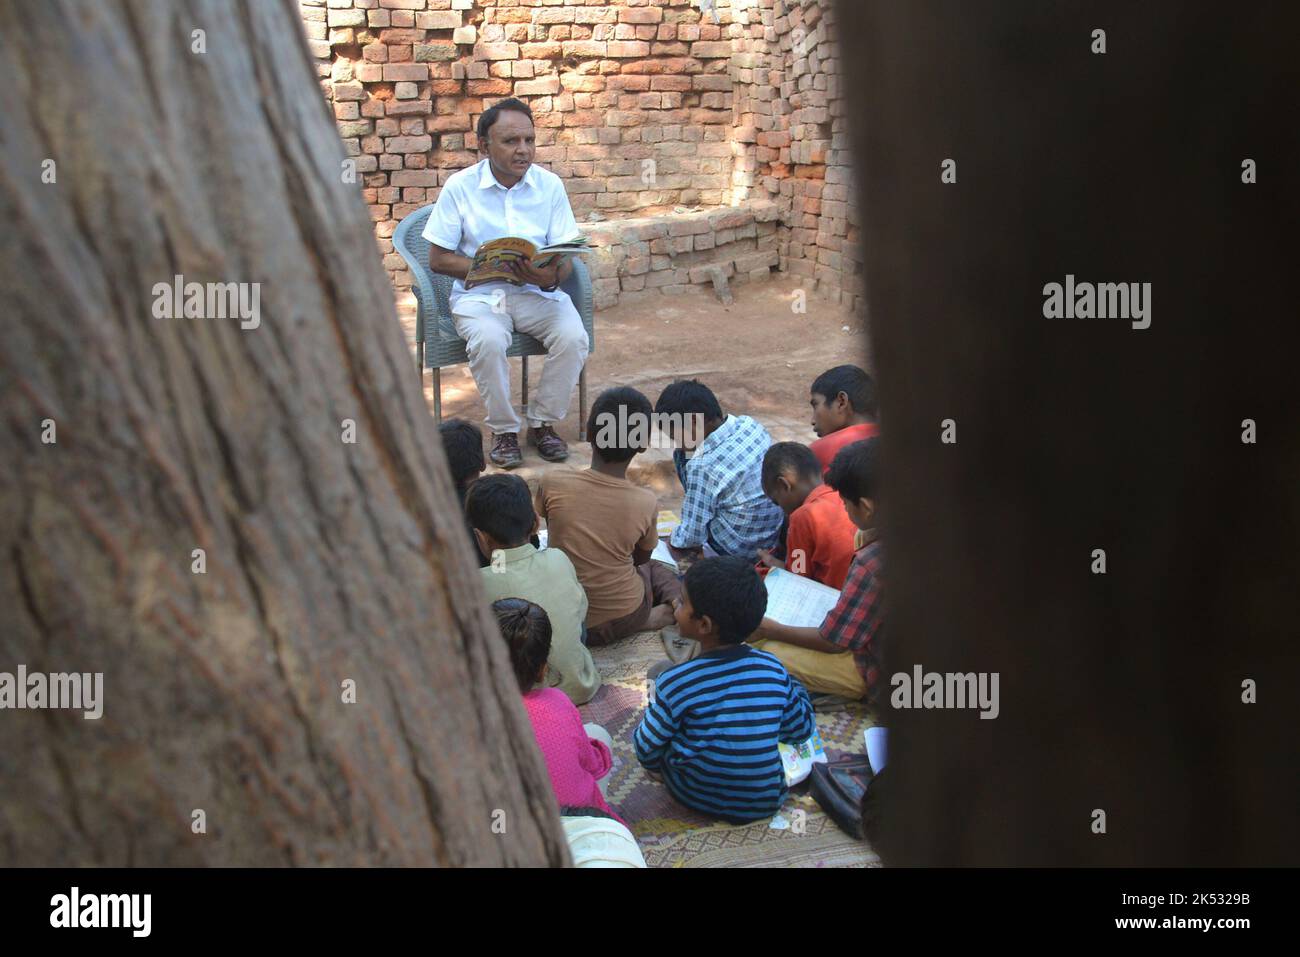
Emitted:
pixel 672 835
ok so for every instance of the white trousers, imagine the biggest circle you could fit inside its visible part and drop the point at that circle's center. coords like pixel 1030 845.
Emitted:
pixel 487 328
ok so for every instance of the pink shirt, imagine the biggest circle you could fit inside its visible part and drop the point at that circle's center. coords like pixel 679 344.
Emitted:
pixel 574 761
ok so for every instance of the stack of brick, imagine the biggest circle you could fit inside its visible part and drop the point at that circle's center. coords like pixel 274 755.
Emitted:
pixel 646 256
pixel 641 106
pixel 788 96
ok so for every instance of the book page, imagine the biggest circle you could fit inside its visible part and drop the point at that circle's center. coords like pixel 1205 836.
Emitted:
pixel 667 521
pixel 572 247
pixel 662 554
pixel 798 601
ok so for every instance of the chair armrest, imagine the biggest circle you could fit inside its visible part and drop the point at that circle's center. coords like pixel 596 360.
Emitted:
pixel 578 286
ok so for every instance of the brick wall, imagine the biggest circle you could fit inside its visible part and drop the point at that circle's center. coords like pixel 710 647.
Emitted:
pixel 643 107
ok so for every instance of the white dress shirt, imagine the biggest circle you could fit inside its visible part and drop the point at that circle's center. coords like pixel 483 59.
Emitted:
pixel 474 208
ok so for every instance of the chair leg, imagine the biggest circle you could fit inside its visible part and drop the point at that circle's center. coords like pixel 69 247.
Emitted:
pixel 582 404
pixel 525 385
pixel 419 362
pixel 437 395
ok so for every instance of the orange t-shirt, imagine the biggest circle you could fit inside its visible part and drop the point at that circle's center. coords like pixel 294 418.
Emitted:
pixel 826 447
pixel 823 531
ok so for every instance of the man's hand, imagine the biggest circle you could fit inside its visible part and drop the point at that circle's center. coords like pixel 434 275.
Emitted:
pixel 526 271
pixel 767 559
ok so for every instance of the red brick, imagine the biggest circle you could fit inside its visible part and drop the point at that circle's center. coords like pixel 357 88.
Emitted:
pixel 677 83
pixel 496 51
pixel 409 144
pixel 405 71
pixel 627 48
pixel 540 51
pixel 395 37
pixel 490 87
pixel 583 48
pixel 405 107
pixel 640 15
pixel 703 49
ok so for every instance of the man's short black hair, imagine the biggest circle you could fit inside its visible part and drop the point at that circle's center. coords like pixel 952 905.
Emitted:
pixel 729 591
pixel 859 387
pixel 789 457
pixel 855 470
pixel 501 506
pixel 489 116
pixel 463 443
pixel 621 408
pixel 689 396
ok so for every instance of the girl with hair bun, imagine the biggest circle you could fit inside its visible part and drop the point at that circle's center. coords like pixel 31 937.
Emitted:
pixel 578 757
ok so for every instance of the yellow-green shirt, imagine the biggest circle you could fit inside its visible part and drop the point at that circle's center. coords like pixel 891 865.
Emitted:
pixel 547 578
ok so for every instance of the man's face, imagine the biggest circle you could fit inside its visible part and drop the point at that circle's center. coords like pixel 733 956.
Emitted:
pixel 511 144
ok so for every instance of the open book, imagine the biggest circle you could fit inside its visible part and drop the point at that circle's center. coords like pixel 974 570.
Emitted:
pixel 493 256
pixel 798 761
pixel 795 600
pixel 667 522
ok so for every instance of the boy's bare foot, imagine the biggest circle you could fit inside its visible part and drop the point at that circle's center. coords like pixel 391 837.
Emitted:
pixel 661 616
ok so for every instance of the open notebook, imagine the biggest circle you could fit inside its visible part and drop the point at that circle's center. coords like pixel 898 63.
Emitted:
pixel 798 601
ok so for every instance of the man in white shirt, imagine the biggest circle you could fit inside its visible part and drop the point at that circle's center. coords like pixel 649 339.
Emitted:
pixel 506 195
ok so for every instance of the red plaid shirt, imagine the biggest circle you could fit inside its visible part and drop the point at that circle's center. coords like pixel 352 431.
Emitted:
pixel 854 623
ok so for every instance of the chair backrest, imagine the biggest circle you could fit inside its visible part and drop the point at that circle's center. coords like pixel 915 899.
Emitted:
pixel 432 290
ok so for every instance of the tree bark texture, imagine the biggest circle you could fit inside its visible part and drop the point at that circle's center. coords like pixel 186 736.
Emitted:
pixel 325 560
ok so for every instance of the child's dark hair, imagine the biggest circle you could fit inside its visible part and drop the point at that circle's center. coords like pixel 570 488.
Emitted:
pixel 789 457
pixel 855 470
pixel 688 396
pixel 527 631
pixel 610 443
pixel 463 443
pixel 501 506
pixel 729 591
pixel 487 119
pixel 859 387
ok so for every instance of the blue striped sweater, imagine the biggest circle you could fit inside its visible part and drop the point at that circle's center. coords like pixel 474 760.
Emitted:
pixel 713 729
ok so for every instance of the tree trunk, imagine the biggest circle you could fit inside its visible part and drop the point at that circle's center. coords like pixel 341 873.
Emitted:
pixel 1120 692
pixel 326 561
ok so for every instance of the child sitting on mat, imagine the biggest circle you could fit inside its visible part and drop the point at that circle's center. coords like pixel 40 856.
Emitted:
pixel 843 403
pixel 819 544
pixel 500 510
pixel 578 757
pixel 713 727
pixel 724 506
pixel 842 655
pixel 609 527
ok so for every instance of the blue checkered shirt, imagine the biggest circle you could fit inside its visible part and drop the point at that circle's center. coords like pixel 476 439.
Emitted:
pixel 724 504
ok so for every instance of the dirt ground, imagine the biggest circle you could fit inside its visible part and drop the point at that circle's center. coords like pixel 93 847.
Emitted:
pixel 757 355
